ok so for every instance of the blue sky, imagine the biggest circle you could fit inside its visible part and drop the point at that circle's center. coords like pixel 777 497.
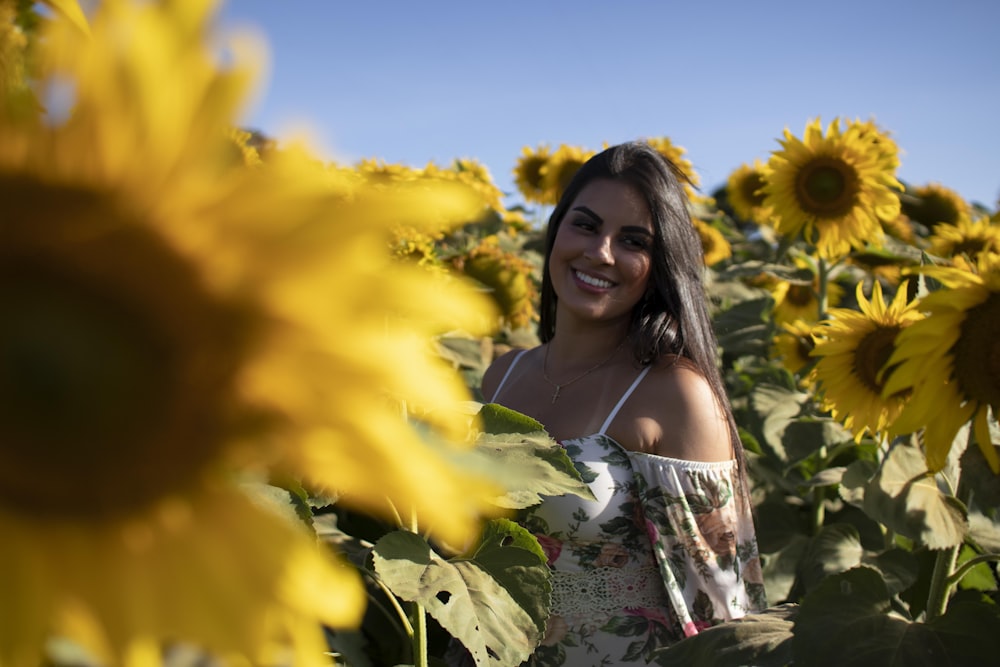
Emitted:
pixel 433 80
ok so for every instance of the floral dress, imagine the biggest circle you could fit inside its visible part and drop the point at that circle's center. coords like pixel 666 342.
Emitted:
pixel 667 548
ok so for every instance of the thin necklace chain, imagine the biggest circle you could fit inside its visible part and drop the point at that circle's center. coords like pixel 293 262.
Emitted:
pixel 558 387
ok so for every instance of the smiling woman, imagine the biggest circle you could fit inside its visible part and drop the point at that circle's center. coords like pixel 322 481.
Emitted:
pixel 626 379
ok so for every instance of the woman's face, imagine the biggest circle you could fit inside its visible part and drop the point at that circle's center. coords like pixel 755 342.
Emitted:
pixel 602 253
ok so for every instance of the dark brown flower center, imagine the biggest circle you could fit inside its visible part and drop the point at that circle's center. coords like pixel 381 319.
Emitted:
pixel 826 187
pixel 872 353
pixel 751 189
pixel 800 295
pixel 977 353
pixel 116 367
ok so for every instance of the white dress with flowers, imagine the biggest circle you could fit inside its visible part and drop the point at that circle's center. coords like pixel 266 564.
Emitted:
pixel 667 548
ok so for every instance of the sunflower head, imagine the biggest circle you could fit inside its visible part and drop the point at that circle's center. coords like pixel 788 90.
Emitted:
pixel 950 361
pixel 933 204
pixel 559 170
pixel 744 191
pixel 854 350
pixel 966 239
pixel 509 279
pixel 714 245
pixel 832 188
pixel 793 345
pixel 528 173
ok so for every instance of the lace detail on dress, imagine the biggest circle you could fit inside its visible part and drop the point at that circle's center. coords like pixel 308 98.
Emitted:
pixel 606 590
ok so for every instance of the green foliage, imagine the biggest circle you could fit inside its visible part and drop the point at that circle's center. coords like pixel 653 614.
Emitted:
pixel 490 600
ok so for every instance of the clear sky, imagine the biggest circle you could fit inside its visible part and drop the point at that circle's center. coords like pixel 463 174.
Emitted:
pixel 413 81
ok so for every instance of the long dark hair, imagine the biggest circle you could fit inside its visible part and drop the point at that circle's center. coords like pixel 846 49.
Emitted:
pixel 673 317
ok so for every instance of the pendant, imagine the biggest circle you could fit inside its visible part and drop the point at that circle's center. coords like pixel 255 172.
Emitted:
pixel 556 394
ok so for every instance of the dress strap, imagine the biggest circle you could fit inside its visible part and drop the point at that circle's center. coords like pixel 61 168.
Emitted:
pixel 621 401
pixel 503 380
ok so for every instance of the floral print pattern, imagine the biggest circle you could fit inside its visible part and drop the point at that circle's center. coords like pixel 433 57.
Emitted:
pixel 680 528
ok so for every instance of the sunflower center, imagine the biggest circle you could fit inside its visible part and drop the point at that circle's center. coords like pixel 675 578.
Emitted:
pixel 752 185
pixel 871 354
pixel 114 363
pixel 826 187
pixel 800 295
pixel 977 353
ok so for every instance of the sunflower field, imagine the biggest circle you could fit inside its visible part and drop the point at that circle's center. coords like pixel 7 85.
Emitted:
pixel 240 415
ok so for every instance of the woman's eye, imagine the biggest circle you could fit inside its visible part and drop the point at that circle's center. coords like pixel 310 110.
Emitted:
pixel 636 242
pixel 584 223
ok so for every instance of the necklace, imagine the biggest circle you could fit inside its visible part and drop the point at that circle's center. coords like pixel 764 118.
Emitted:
pixel 559 386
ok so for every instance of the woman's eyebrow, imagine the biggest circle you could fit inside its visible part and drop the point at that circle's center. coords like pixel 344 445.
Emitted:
pixel 586 210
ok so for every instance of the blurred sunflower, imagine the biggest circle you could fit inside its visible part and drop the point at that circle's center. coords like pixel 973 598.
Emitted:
pixel 853 348
pixel 799 299
pixel 833 188
pixel 793 345
pixel 508 277
pixel 175 322
pixel 965 240
pixel 714 245
pixel 743 189
pixel 675 154
pixel 950 361
pixel 880 140
pixel 528 173
pixel 474 174
pixel 900 227
pixel 559 170
pixel 933 203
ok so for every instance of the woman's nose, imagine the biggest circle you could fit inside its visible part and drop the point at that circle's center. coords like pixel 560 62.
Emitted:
pixel 599 249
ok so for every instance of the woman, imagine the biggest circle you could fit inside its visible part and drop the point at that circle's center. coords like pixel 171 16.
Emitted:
pixel 626 379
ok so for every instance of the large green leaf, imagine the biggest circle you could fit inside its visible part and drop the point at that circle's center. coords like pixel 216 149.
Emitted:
pixel 512 556
pixel 836 548
pixel 463 596
pixel 906 498
pixel 528 466
pixel 847 621
pixel 763 640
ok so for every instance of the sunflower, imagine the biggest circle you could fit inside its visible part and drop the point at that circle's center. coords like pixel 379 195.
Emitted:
pixel 528 173
pixel 880 141
pixel 950 361
pixel 559 170
pixel 743 188
pixel 799 299
pixel 174 323
pixel 472 173
pixel 933 203
pixel 508 277
pixel 714 245
pixel 967 239
pixel 853 348
pixel 793 345
pixel 833 188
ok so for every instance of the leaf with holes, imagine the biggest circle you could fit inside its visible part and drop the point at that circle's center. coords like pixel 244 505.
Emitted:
pixel 480 609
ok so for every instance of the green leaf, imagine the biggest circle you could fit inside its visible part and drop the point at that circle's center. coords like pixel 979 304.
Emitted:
pixel 846 621
pixel 763 639
pixel 283 501
pixel 836 548
pixel 899 569
pixel 498 419
pixel 466 600
pixel 855 480
pixel 528 466
pixel 512 556
pixel 905 497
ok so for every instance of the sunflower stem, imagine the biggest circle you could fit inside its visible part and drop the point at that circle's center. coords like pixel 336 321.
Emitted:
pixel 941 583
pixel 419 620
pixel 964 568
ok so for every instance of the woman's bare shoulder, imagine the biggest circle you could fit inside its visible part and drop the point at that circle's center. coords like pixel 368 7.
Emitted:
pixel 496 370
pixel 692 423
